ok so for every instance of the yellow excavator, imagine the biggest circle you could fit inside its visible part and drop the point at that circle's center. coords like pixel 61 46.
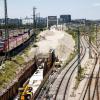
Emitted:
pixel 25 93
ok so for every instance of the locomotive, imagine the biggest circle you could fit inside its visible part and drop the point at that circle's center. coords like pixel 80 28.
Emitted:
pixel 14 40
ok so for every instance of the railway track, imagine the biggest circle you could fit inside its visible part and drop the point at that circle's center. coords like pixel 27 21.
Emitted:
pixel 61 83
pixel 90 91
pixel 65 82
pixel 59 90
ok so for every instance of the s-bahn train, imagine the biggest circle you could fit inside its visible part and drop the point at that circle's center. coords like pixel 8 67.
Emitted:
pixel 14 40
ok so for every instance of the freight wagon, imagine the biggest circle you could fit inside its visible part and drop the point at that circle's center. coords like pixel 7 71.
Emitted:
pixel 14 40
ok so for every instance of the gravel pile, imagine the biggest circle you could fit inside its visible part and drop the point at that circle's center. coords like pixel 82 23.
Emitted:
pixel 60 41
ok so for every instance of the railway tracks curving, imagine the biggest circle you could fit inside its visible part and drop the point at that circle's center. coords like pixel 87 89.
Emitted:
pixel 60 85
pixel 59 88
pixel 61 93
pixel 90 91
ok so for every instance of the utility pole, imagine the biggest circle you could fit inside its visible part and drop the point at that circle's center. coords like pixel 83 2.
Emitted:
pixel 88 27
pixel 90 56
pixel 34 17
pixel 38 23
pixel 96 35
pixel 57 22
pixel 47 23
pixel 6 19
pixel 78 44
pixel 6 26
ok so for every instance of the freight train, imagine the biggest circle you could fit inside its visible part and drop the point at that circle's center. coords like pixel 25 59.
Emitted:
pixel 14 40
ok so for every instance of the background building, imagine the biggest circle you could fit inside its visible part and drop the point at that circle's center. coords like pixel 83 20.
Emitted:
pixel 51 20
pixel 65 18
pixel 11 21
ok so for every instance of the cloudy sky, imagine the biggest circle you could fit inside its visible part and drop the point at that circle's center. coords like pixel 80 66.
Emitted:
pixel 89 9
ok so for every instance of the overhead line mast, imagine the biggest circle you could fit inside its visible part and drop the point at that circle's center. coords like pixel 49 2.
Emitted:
pixel 6 26
pixel 96 34
pixel 6 19
pixel 79 61
pixel 34 17
pixel 90 33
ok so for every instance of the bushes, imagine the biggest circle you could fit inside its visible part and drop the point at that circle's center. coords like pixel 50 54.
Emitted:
pixel 19 59
pixel 7 73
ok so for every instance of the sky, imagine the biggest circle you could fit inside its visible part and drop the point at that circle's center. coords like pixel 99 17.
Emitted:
pixel 89 9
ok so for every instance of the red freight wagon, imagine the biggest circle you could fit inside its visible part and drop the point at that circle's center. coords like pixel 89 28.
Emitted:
pixel 25 37
pixel 19 40
pixel 12 43
pixel 16 38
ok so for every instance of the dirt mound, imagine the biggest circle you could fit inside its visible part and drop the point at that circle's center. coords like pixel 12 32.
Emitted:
pixel 60 41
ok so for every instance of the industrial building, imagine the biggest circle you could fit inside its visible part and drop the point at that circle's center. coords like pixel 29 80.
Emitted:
pixel 52 20
pixel 65 18
pixel 15 21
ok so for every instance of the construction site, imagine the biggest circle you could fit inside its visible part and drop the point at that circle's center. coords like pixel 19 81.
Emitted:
pixel 49 58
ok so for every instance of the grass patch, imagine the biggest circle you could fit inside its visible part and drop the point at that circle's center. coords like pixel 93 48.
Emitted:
pixel 7 73
pixel 26 52
pixel 20 60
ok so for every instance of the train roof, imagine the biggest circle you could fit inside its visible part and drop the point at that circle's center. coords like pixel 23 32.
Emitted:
pixel 37 76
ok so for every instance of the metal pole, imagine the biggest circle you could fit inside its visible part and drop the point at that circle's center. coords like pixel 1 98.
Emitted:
pixel 90 56
pixel 79 65
pixel 96 35
pixel 57 22
pixel 34 17
pixel 6 25
pixel 6 20
pixel 39 21
pixel 47 23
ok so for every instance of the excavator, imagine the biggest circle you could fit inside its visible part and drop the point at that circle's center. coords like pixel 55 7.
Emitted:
pixel 25 93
